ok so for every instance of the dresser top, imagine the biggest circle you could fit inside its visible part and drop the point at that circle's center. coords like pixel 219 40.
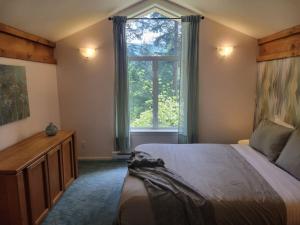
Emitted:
pixel 16 157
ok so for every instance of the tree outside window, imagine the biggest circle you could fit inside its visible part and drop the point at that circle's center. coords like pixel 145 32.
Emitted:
pixel 153 70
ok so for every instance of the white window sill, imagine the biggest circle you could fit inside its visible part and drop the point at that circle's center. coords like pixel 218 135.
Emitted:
pixel 153 131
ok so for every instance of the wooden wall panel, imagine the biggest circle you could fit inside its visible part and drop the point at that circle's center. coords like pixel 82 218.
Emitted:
pixel 21 45
pixel 280 45
pixel 31 177
pixel 38 190
pixel 68 162
pixel 13 208
pixel 55 171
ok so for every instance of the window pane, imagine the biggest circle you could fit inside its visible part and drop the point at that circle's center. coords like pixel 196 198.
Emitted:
pixel 140 94
pixel 168 85
pixel 153 37
pixel 153 48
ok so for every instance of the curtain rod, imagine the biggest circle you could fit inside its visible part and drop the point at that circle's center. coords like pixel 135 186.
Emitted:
pixel 159 18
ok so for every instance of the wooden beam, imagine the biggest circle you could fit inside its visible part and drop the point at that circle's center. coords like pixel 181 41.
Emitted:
pixel 282 34
pixel 280 55
pixel 21 34
pixel 17 44
pixel 280 45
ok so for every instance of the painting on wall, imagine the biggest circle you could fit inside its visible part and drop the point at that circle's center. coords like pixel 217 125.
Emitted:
pixel 14 103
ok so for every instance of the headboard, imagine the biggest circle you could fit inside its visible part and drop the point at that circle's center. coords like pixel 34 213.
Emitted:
pixel 278 91
pixel 278 79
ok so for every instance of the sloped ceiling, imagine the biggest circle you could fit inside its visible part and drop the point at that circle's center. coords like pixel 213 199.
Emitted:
pixel 257 18
pixel 56 19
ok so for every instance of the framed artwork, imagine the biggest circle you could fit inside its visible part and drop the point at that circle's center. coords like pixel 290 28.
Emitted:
pixel 14 104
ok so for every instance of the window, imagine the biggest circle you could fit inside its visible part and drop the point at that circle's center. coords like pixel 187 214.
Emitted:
pixel 153 71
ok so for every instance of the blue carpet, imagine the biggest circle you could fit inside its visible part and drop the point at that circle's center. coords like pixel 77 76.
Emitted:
pixel 93 198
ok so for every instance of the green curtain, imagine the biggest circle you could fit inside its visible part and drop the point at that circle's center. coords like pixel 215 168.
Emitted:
pixel 188 110
pixel 122 139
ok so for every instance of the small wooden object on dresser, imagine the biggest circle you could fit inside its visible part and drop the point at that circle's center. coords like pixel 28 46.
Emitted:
pixel 33 175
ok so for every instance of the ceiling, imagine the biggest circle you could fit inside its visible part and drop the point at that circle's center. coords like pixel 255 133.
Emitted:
pixel 257 18
pixel 56 19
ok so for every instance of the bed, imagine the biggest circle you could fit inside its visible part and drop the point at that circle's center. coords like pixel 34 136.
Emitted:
pixel 221 179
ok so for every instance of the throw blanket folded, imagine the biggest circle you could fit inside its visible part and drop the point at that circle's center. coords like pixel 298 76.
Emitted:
pixel 173 200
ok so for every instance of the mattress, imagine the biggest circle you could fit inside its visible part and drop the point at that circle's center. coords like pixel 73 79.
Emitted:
pixel 135 207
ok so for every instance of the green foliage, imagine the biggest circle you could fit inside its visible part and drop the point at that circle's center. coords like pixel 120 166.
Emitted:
pixel 140 87
pixel 166 34
pixel 144 120
pixel 167 114
pixel 153 38
pixel 168 111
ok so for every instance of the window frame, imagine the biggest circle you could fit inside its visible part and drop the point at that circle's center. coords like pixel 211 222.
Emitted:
pixel 155 89
pixel 154 59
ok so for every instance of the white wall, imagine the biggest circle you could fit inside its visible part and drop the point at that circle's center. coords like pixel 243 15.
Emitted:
pixel 86 88
pixel 43 102
pixel 226 85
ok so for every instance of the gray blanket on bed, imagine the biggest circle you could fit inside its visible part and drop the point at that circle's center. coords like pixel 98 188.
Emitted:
pixel 175 202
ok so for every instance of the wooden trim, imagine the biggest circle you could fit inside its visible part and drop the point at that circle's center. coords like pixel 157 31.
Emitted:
pixel 29 178
pixel 13 208
pixel 284 44
pixel 18 44
pixel 74 141
pixel 279 35
pixel 26 56
pixel 22 197
pixel 10 165
pixel 25 197
pixel 55 150
pixel 71 163
pixel 21 34
pixel 275 56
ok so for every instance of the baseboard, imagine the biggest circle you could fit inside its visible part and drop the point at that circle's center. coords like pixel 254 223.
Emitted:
pixel 115 156
pixel 120 156
pixel 104 158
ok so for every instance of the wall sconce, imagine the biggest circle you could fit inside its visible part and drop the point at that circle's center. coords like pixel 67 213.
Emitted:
pixel 88 52
pixel 225 51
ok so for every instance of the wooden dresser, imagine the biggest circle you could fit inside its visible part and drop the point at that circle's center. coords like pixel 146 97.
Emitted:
pixel 33 175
